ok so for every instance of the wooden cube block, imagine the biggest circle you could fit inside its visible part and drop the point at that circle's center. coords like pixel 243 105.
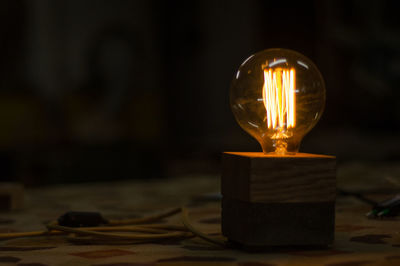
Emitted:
pixel 11 196
pixel 278 200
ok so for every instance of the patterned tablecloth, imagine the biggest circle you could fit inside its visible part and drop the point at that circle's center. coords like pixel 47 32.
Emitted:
pixel 359 241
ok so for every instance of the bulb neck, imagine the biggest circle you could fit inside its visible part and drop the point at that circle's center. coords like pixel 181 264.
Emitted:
pixel 280 147
pixel 280 144
pixel 279 141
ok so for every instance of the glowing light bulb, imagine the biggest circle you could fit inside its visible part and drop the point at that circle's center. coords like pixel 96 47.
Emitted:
pixel 277 96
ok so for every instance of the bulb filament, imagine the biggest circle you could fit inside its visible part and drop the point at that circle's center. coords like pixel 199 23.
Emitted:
pixel 279 100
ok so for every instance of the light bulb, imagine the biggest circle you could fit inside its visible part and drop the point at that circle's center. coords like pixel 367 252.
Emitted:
pixel 277 96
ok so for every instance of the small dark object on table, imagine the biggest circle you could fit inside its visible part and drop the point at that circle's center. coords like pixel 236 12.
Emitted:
pixel 81 219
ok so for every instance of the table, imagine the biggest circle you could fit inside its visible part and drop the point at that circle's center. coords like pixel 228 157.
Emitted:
pixel 358 240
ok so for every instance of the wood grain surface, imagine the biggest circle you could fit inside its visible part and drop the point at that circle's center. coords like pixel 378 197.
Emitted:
pixel 256 177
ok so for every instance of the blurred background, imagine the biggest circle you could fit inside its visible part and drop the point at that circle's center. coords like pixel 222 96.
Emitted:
pixel 106 90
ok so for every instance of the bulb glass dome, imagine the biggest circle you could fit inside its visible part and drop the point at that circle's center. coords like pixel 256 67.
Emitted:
pixel 277 96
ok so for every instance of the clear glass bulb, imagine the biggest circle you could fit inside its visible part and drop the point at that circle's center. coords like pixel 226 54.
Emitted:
pixel 277 96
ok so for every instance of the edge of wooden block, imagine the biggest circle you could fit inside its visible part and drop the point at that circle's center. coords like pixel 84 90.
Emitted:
pixel 273 155
pixel 235 176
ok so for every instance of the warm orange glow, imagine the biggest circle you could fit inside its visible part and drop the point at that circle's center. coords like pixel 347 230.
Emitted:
pixel 279 98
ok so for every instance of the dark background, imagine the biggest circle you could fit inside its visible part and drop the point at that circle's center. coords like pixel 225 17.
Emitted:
pixel 104 90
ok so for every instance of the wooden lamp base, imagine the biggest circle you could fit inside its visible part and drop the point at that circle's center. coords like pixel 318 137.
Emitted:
pixel 278 200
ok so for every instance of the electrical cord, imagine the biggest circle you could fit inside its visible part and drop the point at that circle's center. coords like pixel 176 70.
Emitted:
pixel 185 221
pixel 386 208
pixel 140 230
pixel 359 196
